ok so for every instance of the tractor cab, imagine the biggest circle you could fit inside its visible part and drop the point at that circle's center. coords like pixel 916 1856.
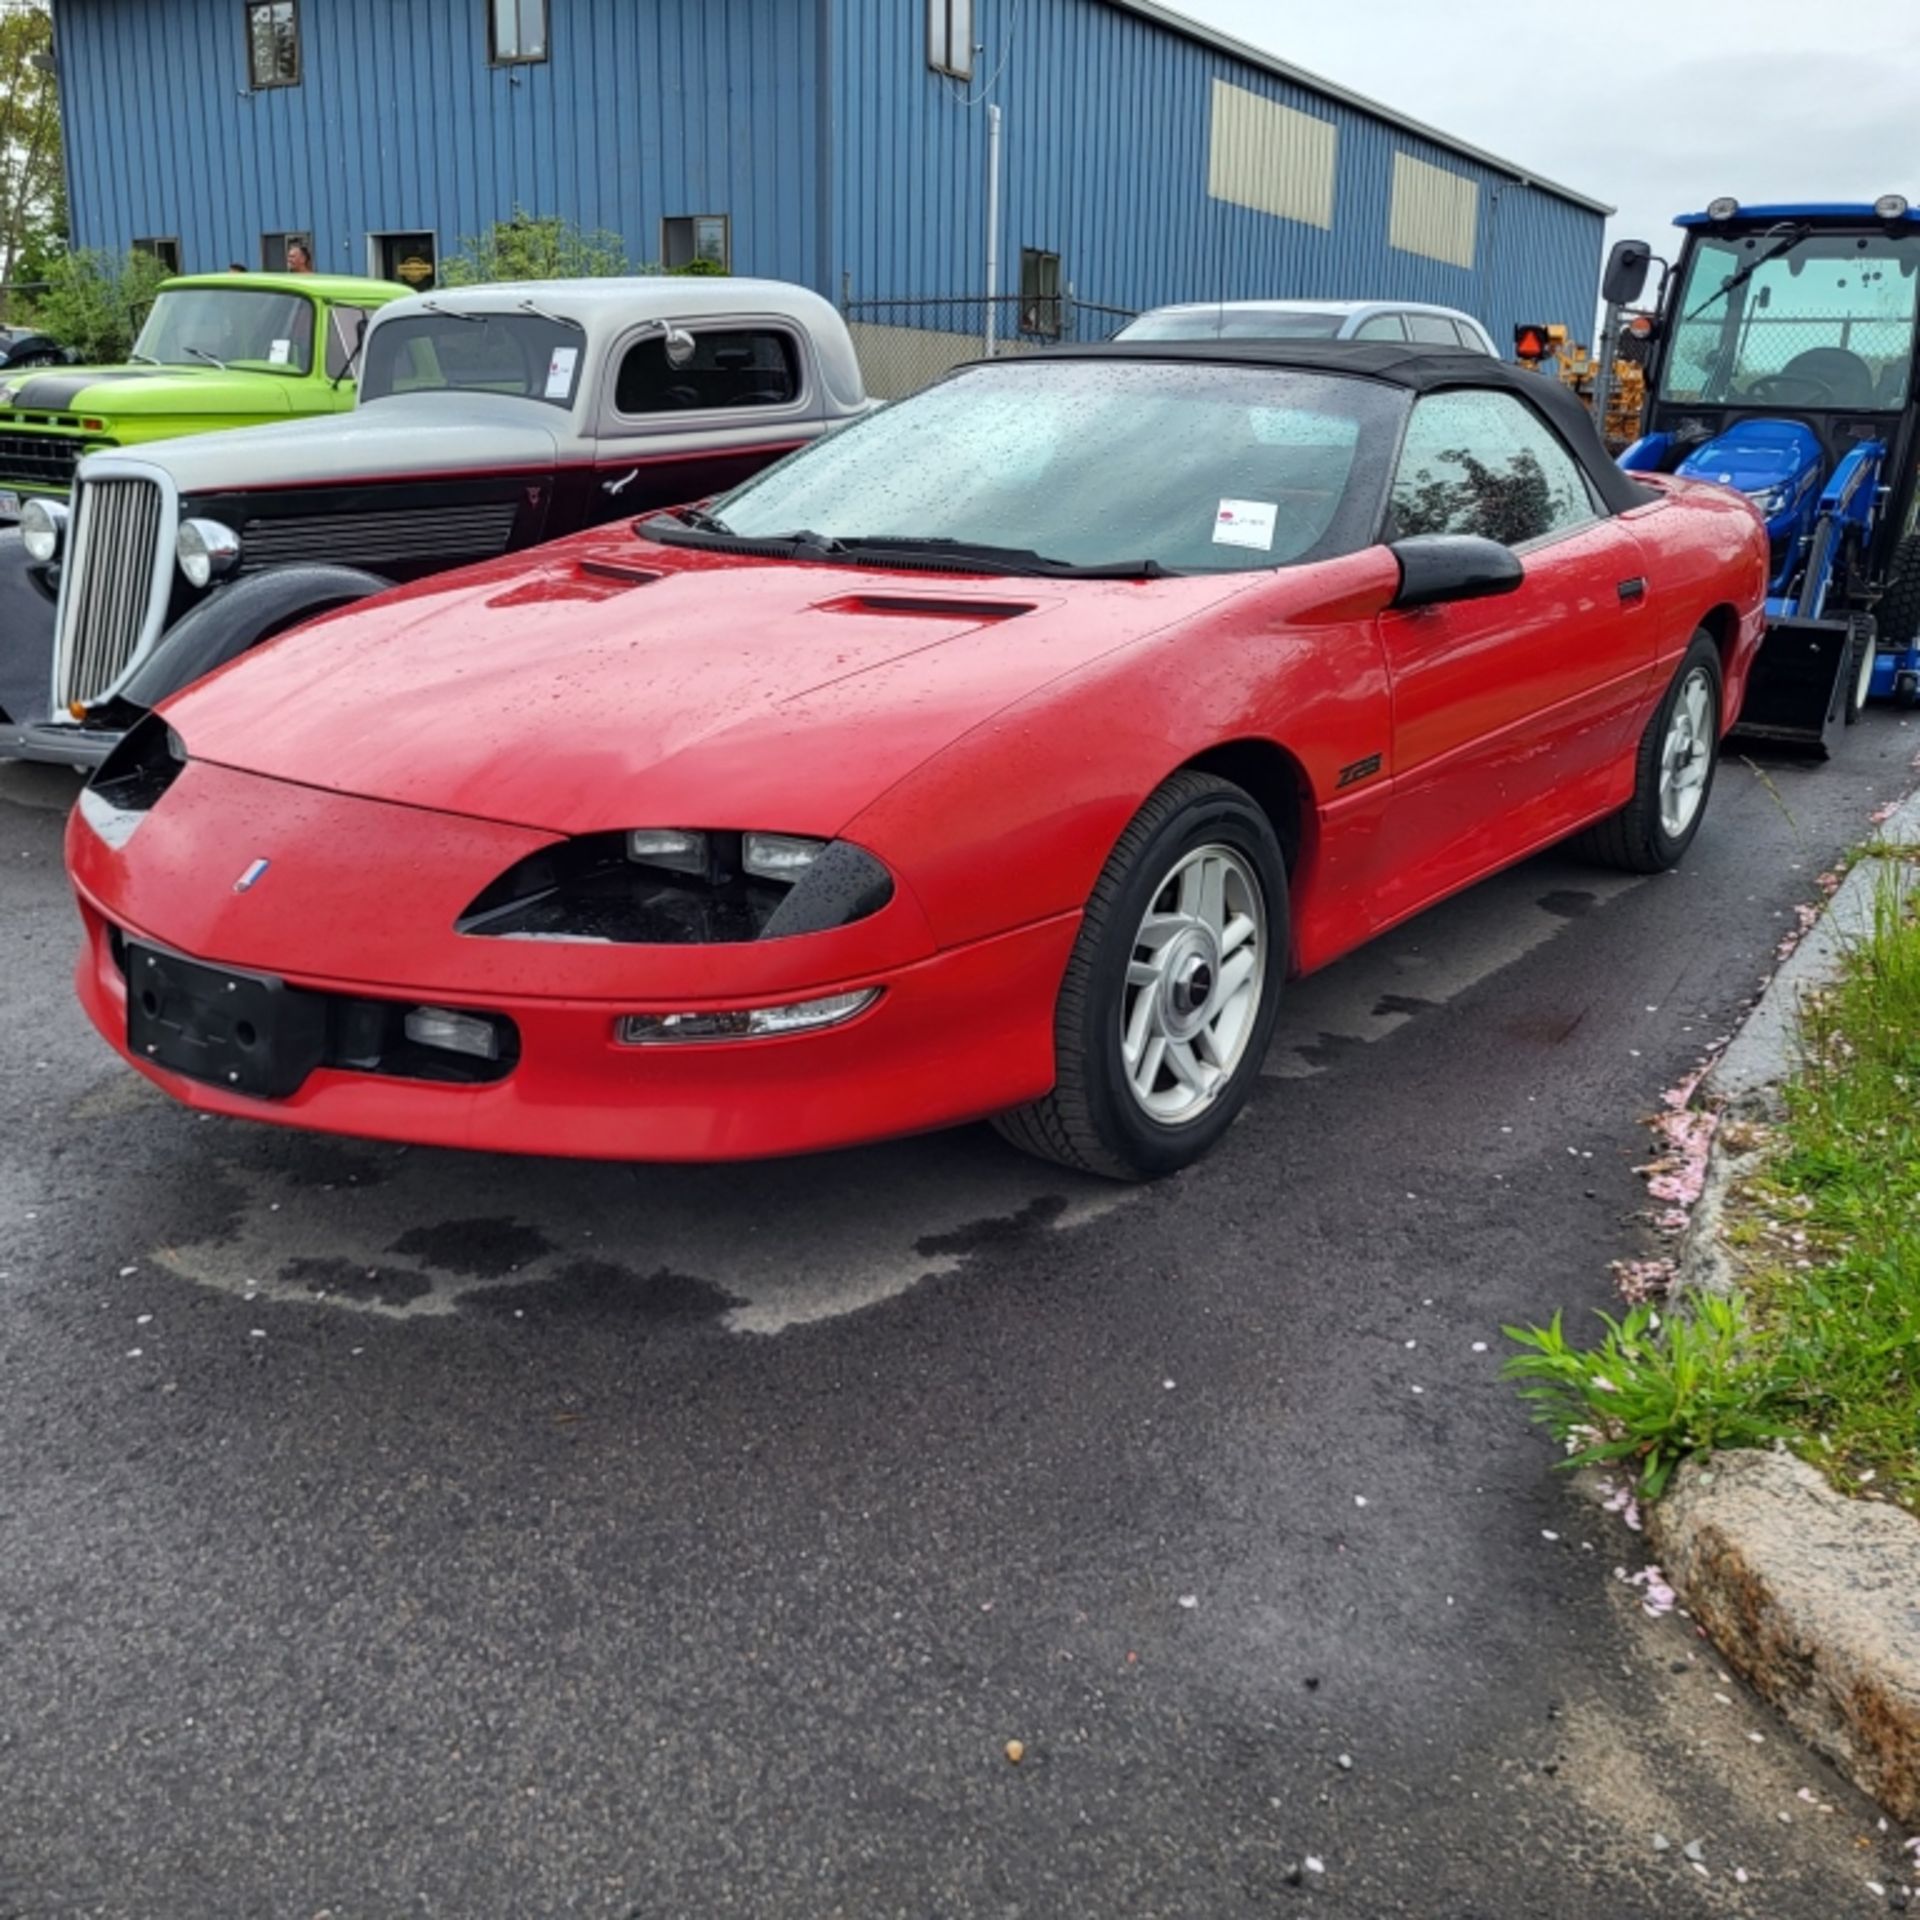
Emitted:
pixel 1781 363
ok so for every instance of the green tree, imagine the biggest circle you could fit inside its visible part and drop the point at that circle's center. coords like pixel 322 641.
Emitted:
pixel 31 173
pixel 529 247
pixel 93 303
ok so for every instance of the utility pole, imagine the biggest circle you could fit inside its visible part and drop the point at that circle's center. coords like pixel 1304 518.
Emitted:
pixel 993 229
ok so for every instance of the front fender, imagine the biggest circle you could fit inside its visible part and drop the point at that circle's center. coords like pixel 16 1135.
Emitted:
pixel 239 615
pixel 26 636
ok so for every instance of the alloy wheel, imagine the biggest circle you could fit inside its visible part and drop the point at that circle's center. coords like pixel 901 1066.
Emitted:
pixel 1195 976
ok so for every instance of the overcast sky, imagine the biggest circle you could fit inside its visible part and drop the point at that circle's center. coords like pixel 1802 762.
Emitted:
pixel 1762 99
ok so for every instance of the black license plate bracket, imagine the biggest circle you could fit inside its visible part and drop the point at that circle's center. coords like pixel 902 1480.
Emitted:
pixel 248 1032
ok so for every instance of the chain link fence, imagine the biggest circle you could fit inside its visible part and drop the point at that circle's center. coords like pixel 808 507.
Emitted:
pixel 1845 361
pixel 905 345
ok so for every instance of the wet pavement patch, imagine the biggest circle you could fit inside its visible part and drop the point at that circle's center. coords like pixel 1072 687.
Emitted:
pixel 1037 1216
pixel 604 1290
pixel 479 1249
pixel 1568 904
pixel 339 1279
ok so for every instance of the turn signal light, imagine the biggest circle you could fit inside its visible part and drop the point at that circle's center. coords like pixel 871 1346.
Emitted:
pixel 743 1023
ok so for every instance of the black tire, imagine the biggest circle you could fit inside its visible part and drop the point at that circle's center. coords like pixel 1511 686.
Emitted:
pixel 1635 839
pixel 1899 613
pixel 1862 651
pixel 1091 1120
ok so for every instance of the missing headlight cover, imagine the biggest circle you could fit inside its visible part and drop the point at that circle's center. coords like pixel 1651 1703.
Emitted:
pixel 604 887
pixel 129 782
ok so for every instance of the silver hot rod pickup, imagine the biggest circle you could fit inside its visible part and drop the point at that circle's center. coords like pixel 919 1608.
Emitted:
pixel 489 418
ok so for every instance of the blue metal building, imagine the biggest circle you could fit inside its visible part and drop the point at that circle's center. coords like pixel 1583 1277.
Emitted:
pixel 842 143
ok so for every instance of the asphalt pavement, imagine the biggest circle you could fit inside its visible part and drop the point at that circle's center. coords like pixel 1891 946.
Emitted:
pixel 407 1533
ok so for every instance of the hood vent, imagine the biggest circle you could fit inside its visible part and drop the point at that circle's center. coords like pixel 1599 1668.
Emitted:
pixel 927 606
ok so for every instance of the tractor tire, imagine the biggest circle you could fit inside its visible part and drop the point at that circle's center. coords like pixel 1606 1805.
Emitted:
pixel 1899 620
pixel 1900 613
pixel 1862 651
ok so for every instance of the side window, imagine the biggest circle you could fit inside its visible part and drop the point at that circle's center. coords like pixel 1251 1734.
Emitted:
pixel 1468 338
pixel 345 326
pixel 1435 328
pixel 1383 326
pixel 734 368
pixel 1480 462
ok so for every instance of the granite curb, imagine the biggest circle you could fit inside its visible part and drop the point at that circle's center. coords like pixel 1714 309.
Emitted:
pixel 1813 1597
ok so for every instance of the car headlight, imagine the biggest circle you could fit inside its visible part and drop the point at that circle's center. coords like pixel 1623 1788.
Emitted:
pixel 43 527
pixel 1768 501
pixel 681 886
pixel 766 856
pixel 207 551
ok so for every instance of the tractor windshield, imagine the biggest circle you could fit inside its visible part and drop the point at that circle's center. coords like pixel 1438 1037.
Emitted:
pixel 1795 318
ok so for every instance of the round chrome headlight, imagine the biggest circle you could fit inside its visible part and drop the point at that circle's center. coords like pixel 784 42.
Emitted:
pixel 1723 209
pixel 1891 206
pixel 43 526
pixel 207 551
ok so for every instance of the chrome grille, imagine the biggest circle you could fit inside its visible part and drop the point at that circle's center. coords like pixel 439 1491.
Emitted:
pixel 106 586
pixel 442 535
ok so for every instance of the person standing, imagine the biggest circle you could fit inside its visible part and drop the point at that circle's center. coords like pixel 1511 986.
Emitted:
pixel 299 257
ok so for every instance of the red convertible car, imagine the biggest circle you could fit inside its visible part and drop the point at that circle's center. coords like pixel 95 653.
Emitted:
pixel 1001 754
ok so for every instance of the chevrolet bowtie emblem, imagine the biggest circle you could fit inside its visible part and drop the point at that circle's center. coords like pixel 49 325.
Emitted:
pixel 251 878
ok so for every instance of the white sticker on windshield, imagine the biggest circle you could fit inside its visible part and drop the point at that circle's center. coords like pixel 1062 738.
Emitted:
pixel 1246 523
pixel 560 372
pixel 280 353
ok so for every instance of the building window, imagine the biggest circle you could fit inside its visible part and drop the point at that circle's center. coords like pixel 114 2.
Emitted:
pixel 517 30
pixel 950 37
pixel 410 258
pixel 165 251
pixel 730 369
pixel 1040 293
pixel 273 43
pixel 697 239
pixel 274 248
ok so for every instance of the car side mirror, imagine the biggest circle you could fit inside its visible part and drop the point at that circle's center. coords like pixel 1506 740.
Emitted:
pixel 679 346
pixel 1625 278
pixel 1436 568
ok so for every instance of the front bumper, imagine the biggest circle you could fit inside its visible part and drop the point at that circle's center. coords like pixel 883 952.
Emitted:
pixel 964 1033
pixel 59 746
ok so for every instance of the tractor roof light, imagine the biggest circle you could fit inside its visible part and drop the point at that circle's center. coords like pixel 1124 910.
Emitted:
pixel 1724 208
pixel 1890 206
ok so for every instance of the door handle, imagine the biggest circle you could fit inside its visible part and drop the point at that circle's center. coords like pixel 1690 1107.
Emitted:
pixel 1632 590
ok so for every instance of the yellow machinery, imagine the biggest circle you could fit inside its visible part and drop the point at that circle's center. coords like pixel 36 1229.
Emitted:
pixel 1575 367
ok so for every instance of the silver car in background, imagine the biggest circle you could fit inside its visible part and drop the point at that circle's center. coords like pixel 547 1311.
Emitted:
pixel 1313 320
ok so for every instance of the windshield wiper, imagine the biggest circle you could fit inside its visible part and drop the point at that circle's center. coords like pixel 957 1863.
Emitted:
pixel 1019 560
pixel 145 359
pixel 553 319
pixel 964 555
pixel 1747 272
pixel 471 319
pixel 212 360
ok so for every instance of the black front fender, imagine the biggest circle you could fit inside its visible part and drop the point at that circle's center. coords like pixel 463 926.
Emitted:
pixel 240 615
pixel 26 636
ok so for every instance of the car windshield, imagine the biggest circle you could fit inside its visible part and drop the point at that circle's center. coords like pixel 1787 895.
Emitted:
pixel 1230 323
pixel 1818 320
pixel 452 350
pixel 253 327
pixel 1098 464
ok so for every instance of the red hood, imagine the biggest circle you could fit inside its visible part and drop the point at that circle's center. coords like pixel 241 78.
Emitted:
pixel 689 688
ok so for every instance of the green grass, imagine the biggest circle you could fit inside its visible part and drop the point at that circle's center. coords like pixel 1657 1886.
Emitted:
pixel 1823 1348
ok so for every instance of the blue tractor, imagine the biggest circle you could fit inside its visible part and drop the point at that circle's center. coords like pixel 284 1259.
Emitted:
pixel 1781 361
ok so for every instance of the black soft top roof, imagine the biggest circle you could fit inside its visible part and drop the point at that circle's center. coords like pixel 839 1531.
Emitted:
pixel 1420 369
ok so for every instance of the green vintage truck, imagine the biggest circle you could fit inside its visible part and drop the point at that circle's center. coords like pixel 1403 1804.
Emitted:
pixel 216 350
